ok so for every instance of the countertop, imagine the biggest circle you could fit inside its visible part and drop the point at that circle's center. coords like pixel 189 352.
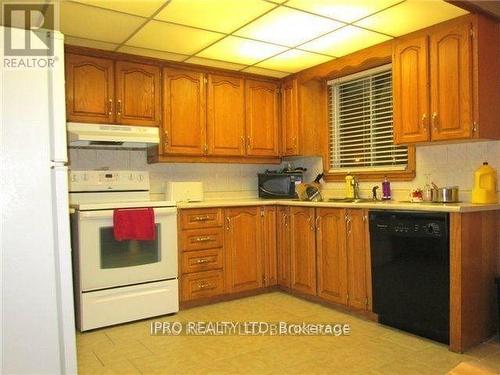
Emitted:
pixel 381 205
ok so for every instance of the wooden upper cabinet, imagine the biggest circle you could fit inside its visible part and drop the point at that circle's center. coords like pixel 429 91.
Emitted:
pixel 243 249
pixel 357 259
pixel 283 245
pixel 226 115
pixel 184 114
pixel 138 100
pixel 289 118
pixel 410 72
pixel 331 254
pixel 451 82
pixel 261 118
pixel 89 89
pixel 303 249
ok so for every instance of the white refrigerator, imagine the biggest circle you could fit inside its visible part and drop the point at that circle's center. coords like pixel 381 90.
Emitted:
pixel 37 331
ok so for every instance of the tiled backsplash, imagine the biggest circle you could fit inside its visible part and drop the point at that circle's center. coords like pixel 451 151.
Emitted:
pixel 446 165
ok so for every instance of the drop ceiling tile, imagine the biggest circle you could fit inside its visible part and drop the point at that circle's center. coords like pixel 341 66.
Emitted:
pixel 342 10
pixel 344 41
pixel 94 23
pixel 68 39
pixel 139 8
pixel 410 16
pixel 217 15
pixel 172 38
pixel 293 60
pixel 288 27
pixel 240 50
pixel 265 72
pixel 214 63
pixel 152 53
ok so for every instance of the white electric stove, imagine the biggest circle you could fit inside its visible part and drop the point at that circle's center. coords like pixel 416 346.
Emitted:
pixel 120 281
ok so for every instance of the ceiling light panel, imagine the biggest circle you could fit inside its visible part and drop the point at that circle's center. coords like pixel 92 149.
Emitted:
pixel 214 63
pixel 342 10
pixel 293 61
pixel 172 38
pixel 217 15
pixel 152 53
pixel 288 27
pixel 410 16
pixel 240 50
pixel 99 24
pixel 344 41
pixel 139 8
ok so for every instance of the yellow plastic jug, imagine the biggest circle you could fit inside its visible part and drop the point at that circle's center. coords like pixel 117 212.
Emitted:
pixel 485 185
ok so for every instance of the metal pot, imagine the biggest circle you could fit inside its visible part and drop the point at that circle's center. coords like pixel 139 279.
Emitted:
pixel 448 194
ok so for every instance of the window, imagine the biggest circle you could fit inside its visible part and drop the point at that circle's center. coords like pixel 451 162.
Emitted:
pixel 360 122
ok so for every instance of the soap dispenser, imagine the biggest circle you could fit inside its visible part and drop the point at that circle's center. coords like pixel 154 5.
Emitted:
pixel 386 189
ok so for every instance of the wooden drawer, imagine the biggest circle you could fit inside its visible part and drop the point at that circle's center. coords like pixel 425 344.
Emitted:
pixel 201 285
pixel 200 239
pixel 201 218
pixel 201 260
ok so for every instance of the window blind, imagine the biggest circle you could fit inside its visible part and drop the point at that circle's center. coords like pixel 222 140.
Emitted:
pixel 360 121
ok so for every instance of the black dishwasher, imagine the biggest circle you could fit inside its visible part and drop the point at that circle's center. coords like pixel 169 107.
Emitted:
pixel 411 271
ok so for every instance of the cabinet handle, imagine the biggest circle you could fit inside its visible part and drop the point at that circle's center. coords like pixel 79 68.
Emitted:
pixel 201 261
pixel 311 222
pixel 110 106
pixel 285 220
pixel 201 218
pixel 228 223
pixel 205 149
pixel 119 109
pixel 249 142
pixel 318 218
pixel 294 140
pixel 348 225
pixel 203 239
pixel 424 122
pixel 165 140
pixel 203 285
pixel 243 145
pixel 434 120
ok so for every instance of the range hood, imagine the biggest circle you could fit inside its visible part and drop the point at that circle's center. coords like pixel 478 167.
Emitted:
pixel 111 136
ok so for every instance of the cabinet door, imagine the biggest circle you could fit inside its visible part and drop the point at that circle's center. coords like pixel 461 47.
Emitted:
pixel 451 82
pixel 89 89
pixel 268 217
pixel 331 254
pixel 283 244
pixel 411 90
pixel 137 94
pixel 262 118
pixel 289 118
pixel 243 249
pixel 226 116
pixel 303 250
pixel 357 260
pixel 184 116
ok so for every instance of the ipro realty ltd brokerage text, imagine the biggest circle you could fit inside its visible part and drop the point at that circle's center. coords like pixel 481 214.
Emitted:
pixel 251 328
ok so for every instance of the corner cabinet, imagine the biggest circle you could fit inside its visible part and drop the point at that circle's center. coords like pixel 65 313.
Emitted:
pixel 445 82
pixel 100 90
pixel 184 116
pixel 261 118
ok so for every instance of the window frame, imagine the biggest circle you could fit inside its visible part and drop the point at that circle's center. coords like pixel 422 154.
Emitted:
pixel 406 174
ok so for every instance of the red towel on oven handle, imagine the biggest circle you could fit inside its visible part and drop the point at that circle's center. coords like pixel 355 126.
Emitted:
pixel 134 224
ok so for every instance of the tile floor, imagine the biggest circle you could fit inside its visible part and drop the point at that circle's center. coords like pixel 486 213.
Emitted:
pixel 369 349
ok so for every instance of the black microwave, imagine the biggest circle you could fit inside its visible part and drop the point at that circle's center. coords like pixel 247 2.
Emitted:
pixel 279 185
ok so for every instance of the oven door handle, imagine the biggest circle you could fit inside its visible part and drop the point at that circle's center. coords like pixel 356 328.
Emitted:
pixel 99 214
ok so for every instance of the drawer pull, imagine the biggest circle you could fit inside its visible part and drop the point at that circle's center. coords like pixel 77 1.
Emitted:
pixel 201 261
pixel 203 239
pixel 203 285
pixel 201 218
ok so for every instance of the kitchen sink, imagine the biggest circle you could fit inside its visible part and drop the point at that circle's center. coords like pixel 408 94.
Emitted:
pixel 352 200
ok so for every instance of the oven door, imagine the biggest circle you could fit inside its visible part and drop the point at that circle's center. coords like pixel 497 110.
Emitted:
pixel 104 262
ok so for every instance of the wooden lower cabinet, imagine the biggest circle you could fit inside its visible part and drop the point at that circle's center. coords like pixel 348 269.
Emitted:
pixel 269 245
pixel 243 249
pixel 331 254
pixel 202 285
pixel 283 246
pixel 302 250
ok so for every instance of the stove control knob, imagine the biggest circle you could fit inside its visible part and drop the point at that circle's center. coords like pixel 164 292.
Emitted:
pixel 131 176
pixel 140 177
pixel 85 177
